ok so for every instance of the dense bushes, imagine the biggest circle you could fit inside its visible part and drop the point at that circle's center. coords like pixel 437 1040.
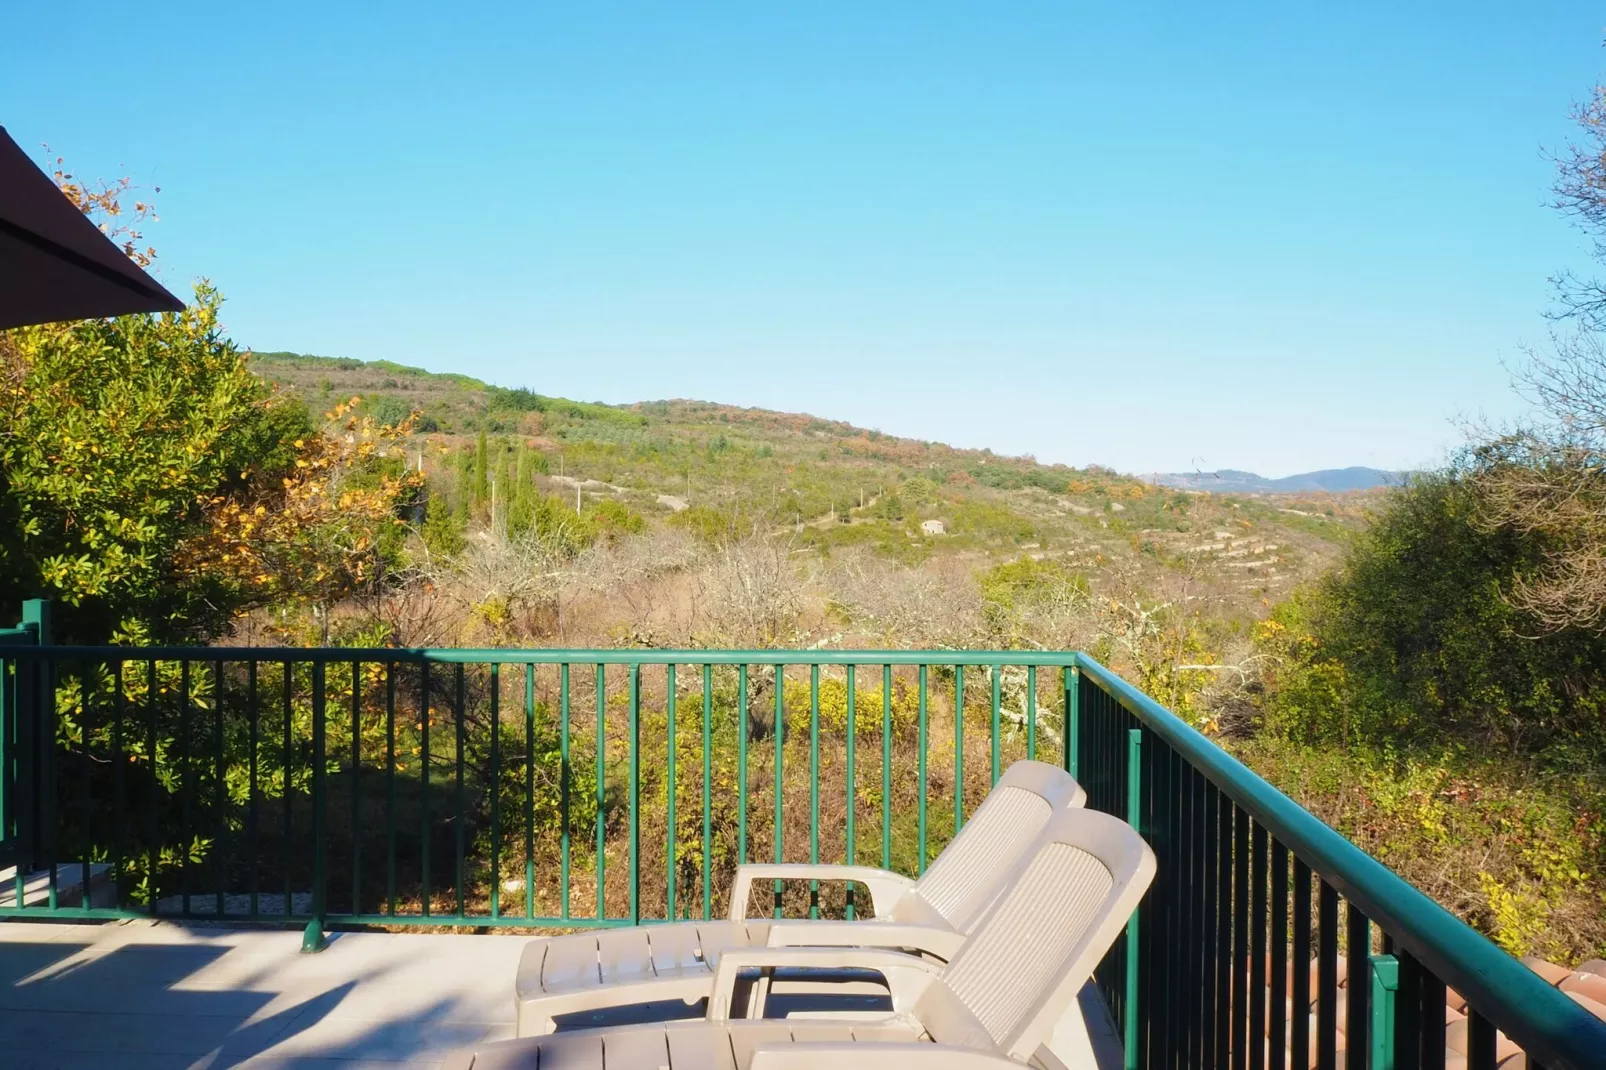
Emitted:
pixel 1413 639
pixel 1412 705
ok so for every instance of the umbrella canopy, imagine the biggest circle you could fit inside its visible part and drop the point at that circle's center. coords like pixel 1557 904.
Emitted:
pixel 54 263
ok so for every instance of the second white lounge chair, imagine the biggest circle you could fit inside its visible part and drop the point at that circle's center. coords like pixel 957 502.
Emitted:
pixel 613 968
pixel 991 1007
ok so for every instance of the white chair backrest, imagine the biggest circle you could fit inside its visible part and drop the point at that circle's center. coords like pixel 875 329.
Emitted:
pixel 970 872
pixel 1038 943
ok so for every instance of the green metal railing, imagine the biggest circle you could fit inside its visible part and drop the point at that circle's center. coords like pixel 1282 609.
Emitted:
pixel 1251 890
pixel 570 788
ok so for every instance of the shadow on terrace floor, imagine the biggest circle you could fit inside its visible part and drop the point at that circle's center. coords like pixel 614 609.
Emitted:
pixel 148 996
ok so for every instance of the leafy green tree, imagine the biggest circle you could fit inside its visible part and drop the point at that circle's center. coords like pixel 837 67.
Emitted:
pixel 443 530
pixel 114 437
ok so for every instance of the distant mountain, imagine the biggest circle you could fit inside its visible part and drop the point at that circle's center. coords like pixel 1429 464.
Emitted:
pixel 1327 481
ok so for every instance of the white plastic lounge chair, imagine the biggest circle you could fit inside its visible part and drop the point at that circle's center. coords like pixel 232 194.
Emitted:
pixel 993 1005
pixel 611 968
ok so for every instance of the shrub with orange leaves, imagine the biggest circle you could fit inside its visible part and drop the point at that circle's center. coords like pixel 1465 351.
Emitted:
pixel 327 527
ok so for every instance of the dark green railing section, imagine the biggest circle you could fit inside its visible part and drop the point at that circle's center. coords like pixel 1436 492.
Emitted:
pixel 25 744
pixel 570 788
pixel 1258 909
pixel 510 788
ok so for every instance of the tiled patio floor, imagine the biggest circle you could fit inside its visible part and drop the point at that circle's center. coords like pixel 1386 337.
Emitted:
pixel 149 996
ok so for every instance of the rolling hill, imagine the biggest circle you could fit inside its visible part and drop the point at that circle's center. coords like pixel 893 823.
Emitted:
pixel 1326 481
pixel 833 485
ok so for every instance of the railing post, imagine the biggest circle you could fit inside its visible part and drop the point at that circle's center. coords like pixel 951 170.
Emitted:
pixel 312 939
pixel 1134 795
pixel 36 748
pixel 19 769
pixel 1385 984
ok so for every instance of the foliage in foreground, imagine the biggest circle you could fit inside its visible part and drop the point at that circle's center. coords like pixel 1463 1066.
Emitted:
pixel 1411 703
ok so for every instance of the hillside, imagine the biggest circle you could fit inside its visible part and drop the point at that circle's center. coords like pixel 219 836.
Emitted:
pixel 832 485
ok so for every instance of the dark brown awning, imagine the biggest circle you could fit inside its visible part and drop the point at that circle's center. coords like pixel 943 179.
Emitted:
pixel 54 263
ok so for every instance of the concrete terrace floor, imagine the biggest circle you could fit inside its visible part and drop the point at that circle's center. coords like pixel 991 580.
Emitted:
pixel 175 996
pixel 154 996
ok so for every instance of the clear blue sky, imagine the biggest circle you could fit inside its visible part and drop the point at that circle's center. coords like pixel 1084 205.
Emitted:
pixel 1150 236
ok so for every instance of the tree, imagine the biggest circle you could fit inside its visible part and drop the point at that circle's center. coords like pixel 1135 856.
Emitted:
pixel 1580 194
pixel 1545 480
pixel 114 434
pixel 154 487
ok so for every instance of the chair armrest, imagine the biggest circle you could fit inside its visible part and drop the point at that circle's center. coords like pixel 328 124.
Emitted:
pixel 940 944
pixel 875 1055
pixel 907 976
pixel 886 888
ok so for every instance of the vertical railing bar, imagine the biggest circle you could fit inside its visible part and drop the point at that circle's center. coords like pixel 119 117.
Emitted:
pixel 633 804
pixel 779 732
pixel 1031 712
pixel 886 767
pixel 1176 938
pixel 119 785
pixel 959 748
pixel 601 789
pixel 565 785
pixel 1430 1022
pixel 1481 1041
pixel 1195 925
pixel 460 738
pixel 850 774
pixel 1179 907
pixel 1257 948
pixel 1223 934
pixel 1153 990
pixel 1134 817
pixel 356 786
pixel 1357 1015
pixel 187 790
pixel 313 938
pixel 998 699
pixel 48 784
pixel 85 808
pixel 669 849
pixel 220 797
pixel 814 786
pixel 1240 946
pixel 1073 722
pixel 1299 1044
pixel 708 798
pixel 1326 977
pixel 425 717
pixel 1209 850
pixel 920 775
pixel 743 727
pixel 1408 1030
pixel 390 788
pixel 253 835
pixel 529 790
pixel 496 789
pixel 8 756
pixel 1277 1028
pixel 152 854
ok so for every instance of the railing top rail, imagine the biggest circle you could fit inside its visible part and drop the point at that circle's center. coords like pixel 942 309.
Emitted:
pixel 27 635
pixel 1553 1029
pixel 593 656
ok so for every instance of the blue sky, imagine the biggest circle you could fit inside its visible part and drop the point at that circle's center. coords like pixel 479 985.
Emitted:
pixel 1150 236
